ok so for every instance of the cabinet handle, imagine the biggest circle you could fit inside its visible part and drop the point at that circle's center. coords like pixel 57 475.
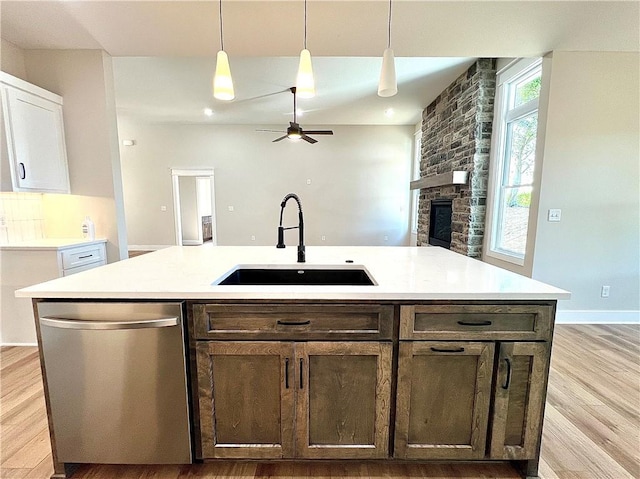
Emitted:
pixel 23 171
pixel 301 374
pixel 474 323
pixel 508 378
pixel 294 323
pixel 286 373
pixel 438 350
pixel 85 256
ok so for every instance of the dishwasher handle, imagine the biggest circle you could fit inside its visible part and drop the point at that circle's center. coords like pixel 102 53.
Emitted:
pixel 110 325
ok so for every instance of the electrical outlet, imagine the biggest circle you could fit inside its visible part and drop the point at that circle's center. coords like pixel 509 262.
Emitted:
pixel 323 237
pixel 604 292
pixel 386 238
pixel 3 221
pixel 163 208
pixel 253 237
pixel 230 208
pixel 308 181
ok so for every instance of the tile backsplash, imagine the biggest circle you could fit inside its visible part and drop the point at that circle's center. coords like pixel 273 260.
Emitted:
pixel 21 217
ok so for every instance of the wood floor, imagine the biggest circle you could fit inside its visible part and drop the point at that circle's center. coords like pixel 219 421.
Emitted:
pixel 591 429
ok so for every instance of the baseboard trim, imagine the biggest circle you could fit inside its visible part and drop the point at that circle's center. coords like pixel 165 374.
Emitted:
pixel 598 317
pixel 148 247
pixel 18 344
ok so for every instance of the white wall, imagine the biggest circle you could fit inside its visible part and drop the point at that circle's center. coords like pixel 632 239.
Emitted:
pixel 359 191
pixel 590 171
pixel 12 60
pixel 84 79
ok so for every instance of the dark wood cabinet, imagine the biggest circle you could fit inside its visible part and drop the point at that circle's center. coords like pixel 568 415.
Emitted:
pixel 293 397
pixel 296 380
pixel 343 400
pixel 519 395
pixel 444 391
pixel 246 399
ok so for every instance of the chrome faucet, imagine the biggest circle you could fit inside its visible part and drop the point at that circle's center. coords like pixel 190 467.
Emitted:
pixel 301 256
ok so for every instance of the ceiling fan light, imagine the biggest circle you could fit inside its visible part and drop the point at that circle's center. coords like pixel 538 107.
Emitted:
pixel 388 86
pixel 305 85
pixel 222 81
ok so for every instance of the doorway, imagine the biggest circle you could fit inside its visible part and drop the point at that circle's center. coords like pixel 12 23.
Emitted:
pixel 194 206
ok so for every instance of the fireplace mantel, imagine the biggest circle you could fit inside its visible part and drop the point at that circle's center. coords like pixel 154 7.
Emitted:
pixel 433 181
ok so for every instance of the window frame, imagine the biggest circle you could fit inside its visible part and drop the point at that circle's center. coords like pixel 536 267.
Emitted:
pixel 415 175
pixel 507 79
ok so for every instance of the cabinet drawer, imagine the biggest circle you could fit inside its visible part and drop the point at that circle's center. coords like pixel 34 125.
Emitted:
pixel 74 257
pixel 230 321
pixel 84 267
pixel 476 322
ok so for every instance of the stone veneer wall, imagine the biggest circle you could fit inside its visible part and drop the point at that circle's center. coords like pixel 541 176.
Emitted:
pixel 456 135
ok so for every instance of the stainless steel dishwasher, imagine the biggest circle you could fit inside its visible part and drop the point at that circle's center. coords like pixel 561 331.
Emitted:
pixel 116 379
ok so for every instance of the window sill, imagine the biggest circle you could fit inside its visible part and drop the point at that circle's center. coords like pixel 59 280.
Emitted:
pixel 517 260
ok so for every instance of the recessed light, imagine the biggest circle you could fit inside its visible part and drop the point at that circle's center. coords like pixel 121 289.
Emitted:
pixel 389 112
pixel 208 111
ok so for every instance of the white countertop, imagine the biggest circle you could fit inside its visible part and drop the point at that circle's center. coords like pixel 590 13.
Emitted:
pixel 402 273
pixel 54 244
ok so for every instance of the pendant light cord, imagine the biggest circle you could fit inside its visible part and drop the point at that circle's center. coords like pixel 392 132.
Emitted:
pixel 305 24
pixel 389 36
pixel 221 36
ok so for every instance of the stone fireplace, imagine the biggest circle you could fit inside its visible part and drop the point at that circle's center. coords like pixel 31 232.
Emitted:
pixel 456 137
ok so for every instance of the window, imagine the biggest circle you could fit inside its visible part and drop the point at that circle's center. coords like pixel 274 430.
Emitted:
pixel 514 158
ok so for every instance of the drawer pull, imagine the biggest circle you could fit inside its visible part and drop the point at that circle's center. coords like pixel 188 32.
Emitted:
pixel 474 323
pixel 294 323
pixel 438 350
pixel 23 171
pixel 508 379
pixel 85 256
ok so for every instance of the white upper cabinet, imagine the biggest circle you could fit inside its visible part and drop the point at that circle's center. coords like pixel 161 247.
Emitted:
pixel 35 150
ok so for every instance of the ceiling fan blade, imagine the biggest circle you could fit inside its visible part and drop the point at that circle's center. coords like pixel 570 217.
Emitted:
pixel 279 139
pixel 308 139
pixel 319 132
pixel 272 131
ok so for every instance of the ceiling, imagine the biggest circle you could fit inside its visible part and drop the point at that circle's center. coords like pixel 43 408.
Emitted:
pixel 164 52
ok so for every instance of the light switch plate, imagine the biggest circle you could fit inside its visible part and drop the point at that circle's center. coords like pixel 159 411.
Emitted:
pixel 554 215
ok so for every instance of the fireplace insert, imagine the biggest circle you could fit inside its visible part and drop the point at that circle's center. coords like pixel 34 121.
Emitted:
pixel 440 223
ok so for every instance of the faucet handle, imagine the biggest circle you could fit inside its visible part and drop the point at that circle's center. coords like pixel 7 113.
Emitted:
pixel 280 237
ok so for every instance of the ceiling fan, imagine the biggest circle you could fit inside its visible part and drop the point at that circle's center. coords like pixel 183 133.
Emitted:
pixel 295 131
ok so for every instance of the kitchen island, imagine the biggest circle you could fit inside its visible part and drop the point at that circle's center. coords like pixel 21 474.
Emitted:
pixel 442 358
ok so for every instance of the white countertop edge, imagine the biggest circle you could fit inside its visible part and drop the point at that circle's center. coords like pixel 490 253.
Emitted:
pixel 286 296
pixel 51 244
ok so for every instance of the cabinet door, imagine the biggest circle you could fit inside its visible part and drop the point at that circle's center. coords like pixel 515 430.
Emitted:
pixel 519 399
pixel 443 399
pixel 35 142
pixel 343 399
pixel 246 399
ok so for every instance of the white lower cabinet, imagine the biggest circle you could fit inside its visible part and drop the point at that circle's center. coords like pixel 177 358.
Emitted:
pixel 22 266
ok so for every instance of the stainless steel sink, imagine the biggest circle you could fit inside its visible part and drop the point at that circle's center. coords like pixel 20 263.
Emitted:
pixel 303 275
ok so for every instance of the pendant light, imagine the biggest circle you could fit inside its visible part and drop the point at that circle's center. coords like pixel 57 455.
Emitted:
pixel 222 81
pixel 305 84
pixel 388 85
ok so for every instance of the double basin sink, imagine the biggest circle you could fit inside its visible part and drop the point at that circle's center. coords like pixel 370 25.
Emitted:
pixel 297 275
